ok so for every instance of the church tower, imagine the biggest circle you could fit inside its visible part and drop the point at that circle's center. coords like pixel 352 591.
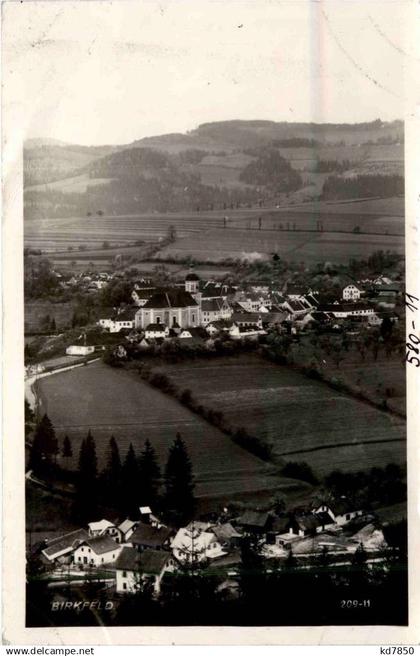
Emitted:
pixel 192 282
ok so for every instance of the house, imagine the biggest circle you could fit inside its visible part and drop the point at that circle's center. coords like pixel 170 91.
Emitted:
pixel 216 327
pixel 340 511
pixel 198 333
pixel 294 292
pixel 303 525
pixel 351 293
pixel 126 530
pixel 241 332
pixel 132 568
pixel 61 549
pixel 252 302
pixel 192 544
pixel 279 529
pixel 171 307
pixel 219 290
pixel 123 319
pixel 103 527
pixel 147 536
pixel 214 309
pixel 141 294
pixel 295 308
pixel 346 310
pixel 101 550
pixel 156 331
pixel 254 522
pixel 227 536
pixel 80 349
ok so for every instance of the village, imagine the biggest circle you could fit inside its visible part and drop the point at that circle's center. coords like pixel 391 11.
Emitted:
pixel 127 553
pixel 124 555
pixel 193 312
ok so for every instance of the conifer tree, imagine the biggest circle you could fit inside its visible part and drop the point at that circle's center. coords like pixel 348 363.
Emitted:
pixel 85 505
pixel 149 476
pixel 179 482
pixel 130 485
pixel 111 476
pixel 67 451
pixel 44 447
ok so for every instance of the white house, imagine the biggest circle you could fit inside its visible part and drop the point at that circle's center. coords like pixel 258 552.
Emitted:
pixel 351 293
pixel 101 550
pixel 340 511
pixel 193 544
pixel 132 567
pixel 156 331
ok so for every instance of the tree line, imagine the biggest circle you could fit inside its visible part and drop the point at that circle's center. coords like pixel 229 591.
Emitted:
pixel 123 485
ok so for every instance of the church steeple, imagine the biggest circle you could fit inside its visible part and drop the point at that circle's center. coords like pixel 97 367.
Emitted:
pixel 191 281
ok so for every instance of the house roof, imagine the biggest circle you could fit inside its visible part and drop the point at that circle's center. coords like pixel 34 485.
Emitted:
pixel 128 314
pixel 212 305
pixel 225 532
pixel 102 544
pixel 147 562
pixel 296 306
pixel 221 324
pixel 126 525
pixel 145 510
pixel 253 518
pixel 172 298
pixel 150 536
pixel 101 525
pixel 65 542
pixel 308 522
pixel 246 317
pixel 280 524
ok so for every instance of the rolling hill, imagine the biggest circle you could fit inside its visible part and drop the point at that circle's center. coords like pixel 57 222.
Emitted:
pixel 217 164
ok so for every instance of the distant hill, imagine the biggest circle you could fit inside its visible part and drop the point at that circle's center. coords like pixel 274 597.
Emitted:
pixel 225 163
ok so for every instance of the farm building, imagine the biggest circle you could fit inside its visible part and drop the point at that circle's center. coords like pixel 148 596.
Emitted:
pixel 61 549
pixel 133 567
pixel 345 310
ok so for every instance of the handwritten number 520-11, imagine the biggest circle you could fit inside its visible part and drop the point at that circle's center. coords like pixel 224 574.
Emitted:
pixel 412 359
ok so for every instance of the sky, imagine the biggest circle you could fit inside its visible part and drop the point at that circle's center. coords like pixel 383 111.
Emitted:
pixel 92 73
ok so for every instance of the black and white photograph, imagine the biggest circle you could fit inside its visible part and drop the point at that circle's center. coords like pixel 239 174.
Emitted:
pixel 216 326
